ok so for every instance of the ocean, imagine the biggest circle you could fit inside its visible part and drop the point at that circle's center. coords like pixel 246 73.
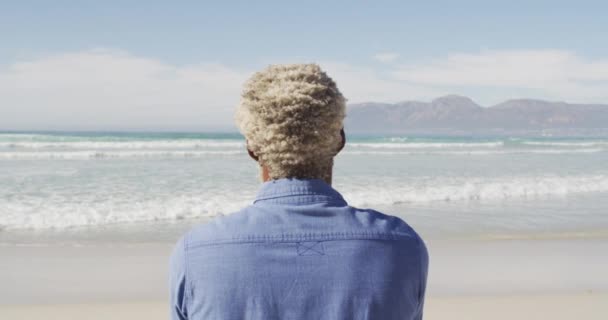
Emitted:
pixel 151 186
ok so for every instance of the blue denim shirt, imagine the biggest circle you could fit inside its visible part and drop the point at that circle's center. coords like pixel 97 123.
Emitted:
pixel 299 252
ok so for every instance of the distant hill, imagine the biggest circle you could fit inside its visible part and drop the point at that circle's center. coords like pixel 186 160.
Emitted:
pixel 458 115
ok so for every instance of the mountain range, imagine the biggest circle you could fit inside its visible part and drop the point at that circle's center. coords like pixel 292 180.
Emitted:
pixel 459 115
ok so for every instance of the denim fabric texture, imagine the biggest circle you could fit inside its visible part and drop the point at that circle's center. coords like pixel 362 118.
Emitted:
pixel 299 252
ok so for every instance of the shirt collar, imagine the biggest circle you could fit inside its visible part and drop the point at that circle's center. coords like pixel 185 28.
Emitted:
pixel 296 191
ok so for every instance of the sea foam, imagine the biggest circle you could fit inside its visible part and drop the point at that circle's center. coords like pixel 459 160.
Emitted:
pixel 62 211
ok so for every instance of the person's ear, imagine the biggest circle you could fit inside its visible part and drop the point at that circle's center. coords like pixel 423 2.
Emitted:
pixel 251 154
pixel 343 136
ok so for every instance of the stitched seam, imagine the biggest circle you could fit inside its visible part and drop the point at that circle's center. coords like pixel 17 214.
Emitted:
pixel 284 194
pixel 284 200
pixel 186 284
pixel 423 279
pixel 302 237
pixel 301 198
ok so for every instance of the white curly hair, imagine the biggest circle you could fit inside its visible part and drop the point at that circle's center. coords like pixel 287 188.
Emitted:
pixel 291 116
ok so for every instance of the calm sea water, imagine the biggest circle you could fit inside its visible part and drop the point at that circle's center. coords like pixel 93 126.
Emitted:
pixel 488 187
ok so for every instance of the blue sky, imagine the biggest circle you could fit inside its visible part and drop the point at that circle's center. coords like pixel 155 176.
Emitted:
pixel 89 64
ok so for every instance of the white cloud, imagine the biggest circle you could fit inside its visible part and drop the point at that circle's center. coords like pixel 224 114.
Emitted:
pixel 363 84
pixel 386 57
pixel 113 89
pixel 109 89
pixel 551 74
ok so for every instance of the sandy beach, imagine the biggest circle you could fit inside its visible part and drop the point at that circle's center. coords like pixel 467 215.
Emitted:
pixel 500 279
pixel 556 307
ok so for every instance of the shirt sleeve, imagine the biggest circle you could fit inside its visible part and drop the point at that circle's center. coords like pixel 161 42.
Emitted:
pixel 177 281
pixel 424 267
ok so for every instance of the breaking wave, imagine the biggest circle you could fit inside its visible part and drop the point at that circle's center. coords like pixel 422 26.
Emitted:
pixel 69 211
